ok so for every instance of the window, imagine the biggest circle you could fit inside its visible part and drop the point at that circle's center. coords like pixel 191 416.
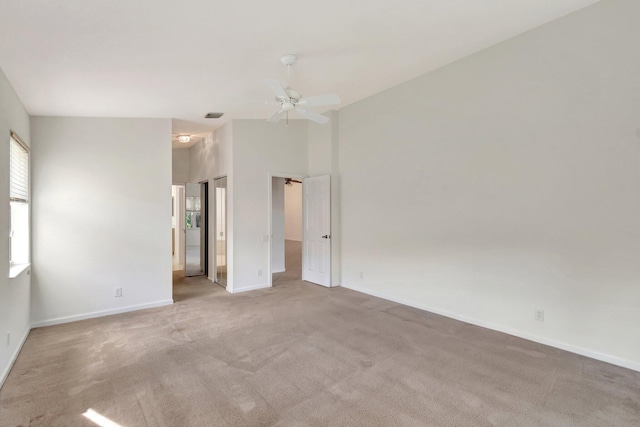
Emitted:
pixel 19 201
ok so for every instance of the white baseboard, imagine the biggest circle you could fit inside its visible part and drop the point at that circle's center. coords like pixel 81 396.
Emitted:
pixel 248 288
pixel 74 318
pixel 614 360
pixel 6 371
pixel 278 271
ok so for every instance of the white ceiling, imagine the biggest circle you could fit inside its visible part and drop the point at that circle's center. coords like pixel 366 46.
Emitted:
pixel 160 58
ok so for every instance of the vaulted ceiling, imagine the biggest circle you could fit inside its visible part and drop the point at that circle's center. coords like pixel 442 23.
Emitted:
pixel 160 58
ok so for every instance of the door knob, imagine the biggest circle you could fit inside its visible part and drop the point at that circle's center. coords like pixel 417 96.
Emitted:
pixel 326 236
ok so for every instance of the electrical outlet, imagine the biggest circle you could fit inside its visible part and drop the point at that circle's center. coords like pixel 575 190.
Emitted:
pixel 539 315
pixel 8 338
pixel 118 292
pixel 361 275
pixel 259 272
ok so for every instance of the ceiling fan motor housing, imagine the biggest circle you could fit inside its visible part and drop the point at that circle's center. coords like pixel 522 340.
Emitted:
pixel 290 102
pixel 288 59
pixel 293 95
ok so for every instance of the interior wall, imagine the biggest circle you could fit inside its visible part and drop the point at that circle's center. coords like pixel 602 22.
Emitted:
pixel 293 212
pixel 178 227
pixel 14 293
pixel 180 165
pixel 278 214
pixel 208 159
pixel 212 157
pixel 320 140
pixel 324 150
pixel 260 148
pixel 101 216
pixel 512 180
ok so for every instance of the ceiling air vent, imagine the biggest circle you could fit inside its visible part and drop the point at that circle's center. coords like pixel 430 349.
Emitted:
pixel 213 115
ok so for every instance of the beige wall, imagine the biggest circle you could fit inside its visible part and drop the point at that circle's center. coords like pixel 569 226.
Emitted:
pixel 208 159
pixel 293 212
pixel 260 148
pixel 508 182
pixel 101 216
pixel 14 293
pixel 180 165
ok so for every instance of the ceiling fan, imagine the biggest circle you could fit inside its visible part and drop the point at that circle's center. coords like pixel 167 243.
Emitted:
pixel 290 181
pixel 289 99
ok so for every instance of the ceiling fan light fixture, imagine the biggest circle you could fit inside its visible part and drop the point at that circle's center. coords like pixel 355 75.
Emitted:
pixel 184 139
pixel 288 59
pixel 291 100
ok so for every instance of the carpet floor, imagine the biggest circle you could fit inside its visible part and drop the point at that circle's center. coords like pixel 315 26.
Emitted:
pixel 292 264
pixel 299 354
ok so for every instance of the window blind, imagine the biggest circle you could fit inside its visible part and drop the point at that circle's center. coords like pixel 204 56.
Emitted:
pixel 18 171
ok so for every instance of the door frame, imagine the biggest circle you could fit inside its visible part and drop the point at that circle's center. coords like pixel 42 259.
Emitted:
pixel 270 215
pixel 204 227
pixel 180 212
pixel 214 242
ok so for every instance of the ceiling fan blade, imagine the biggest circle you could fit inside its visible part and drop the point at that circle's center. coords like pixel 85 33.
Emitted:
pixel 315 101
pixel 262 101
pixel 276 88
pixel 313 116
pixel 275 117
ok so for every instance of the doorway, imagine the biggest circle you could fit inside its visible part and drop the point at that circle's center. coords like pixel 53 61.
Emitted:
pixel 286 230
pixel 220 185
pixel 196 229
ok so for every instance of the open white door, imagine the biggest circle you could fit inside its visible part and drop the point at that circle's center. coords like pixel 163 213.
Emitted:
pixel 316 223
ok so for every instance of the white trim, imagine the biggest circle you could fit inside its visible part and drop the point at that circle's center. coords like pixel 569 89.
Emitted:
pixel 249 288
pixel 16 270
pixel 5 374
pixel 91 315
pixel 614 360
pixel 214 245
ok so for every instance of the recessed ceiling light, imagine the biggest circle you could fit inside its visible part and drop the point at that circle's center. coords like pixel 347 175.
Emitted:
pixel 213 115
pixel 184 138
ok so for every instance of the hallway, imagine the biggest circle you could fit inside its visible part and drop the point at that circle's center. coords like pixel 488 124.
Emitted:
pixel 292 264
pixel 193 264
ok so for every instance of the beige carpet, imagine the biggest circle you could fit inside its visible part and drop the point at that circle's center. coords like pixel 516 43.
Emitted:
pixel 292 263
pixel 300 354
